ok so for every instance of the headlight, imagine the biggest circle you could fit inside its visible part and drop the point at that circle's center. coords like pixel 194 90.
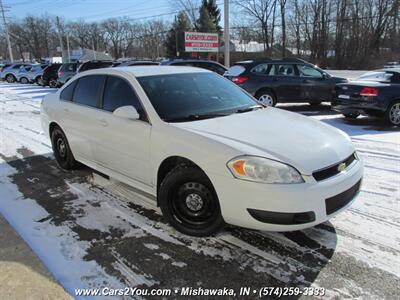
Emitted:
pixel 259 169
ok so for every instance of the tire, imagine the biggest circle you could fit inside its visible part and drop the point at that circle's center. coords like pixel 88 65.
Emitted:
pixel 39 81
pixel 315 103
pixel 10 78
pixel 392 114
pixel 189 202
pixel 266 98
pixel 351 116
pixel 53 83
pixel 62 151
pixel 24 80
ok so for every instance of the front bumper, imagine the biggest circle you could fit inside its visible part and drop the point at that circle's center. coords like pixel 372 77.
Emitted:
pixel 364 107
pixel 306 202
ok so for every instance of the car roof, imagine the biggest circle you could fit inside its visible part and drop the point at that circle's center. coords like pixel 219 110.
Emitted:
pixel 141 71
pixel 396 70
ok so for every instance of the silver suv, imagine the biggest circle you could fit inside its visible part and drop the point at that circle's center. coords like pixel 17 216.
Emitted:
pixel 10 73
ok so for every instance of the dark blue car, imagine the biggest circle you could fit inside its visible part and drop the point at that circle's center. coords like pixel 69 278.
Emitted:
pixel 375 93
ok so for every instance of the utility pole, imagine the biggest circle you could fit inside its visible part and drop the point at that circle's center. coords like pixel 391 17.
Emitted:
pixel 69 55
pixel 5 26
pixel 226 33
pixel 60 38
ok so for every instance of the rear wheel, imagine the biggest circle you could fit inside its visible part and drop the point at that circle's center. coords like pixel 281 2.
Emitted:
pixel 392 115
pixel 266 98
pixel 189 202
pixel 62 151
pixel 24 80
pixel 53 83
pixel 10 78
pixel 351 115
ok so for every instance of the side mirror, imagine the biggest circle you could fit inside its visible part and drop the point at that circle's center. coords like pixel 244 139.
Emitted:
pixel 127 112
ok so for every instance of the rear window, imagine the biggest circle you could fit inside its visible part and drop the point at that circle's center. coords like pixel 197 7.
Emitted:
pixel 87 90
pixel 235 70
pixel 376 76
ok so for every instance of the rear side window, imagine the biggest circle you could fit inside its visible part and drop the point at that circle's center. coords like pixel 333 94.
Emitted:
pixel 261 69
pixel 117 93
pixel 284 70
pixel 68 91
pixel 87 90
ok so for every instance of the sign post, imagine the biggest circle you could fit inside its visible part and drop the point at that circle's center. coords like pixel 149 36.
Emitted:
pixel 201 42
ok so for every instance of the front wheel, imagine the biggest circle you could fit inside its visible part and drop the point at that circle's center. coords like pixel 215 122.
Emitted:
pixel 24 80
pixel 53 83
pixel 351 115
pixel 266 98
pixel 61 150
pixel 39 81
pixel 189 202
pixel 392 115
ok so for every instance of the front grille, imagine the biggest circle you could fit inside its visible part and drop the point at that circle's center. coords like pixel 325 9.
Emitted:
pixel 333 170
pixel 335 203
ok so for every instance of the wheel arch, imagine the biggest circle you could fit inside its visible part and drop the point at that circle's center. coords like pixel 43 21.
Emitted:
pixel 170 163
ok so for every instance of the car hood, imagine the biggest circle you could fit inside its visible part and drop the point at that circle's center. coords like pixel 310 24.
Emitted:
pixel 304 143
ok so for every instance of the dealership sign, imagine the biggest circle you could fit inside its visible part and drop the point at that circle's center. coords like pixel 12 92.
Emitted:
pixel 201 42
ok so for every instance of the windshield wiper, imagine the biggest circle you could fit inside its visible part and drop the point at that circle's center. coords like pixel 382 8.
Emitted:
pixel 196 117
pixel 250 108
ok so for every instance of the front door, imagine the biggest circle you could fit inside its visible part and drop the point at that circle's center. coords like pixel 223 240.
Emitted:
pixel 123 145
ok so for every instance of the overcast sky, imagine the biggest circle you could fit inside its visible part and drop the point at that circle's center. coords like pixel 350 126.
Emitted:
pixel 94 10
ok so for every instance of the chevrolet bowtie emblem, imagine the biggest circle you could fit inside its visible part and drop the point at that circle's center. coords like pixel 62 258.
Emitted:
pixel 341 167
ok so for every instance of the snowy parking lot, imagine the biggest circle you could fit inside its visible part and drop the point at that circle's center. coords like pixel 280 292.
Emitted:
pixel 91 231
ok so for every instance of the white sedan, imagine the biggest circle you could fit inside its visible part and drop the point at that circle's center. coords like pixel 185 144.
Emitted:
pixel 203 147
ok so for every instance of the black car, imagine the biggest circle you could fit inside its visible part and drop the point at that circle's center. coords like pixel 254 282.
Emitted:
pixel 375 93
pixel 94 64
pixel 50 75
pixel 137 63
pixel 204 64
pixel 284 80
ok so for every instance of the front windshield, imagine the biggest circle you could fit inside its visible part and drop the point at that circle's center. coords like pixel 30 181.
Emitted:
pixel 378 76
pixel 177 97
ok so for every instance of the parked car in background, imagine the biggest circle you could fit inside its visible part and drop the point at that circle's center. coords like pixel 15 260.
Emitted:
pixel 94 64
pixel 217 156
pixel 204 64
pixel 10 73
pixel 391 64
pixel 22 75
pixel 50 75
pixel 138 63
pixel 284 80
pixel 36 72
pixel 375 93
pixel 66 72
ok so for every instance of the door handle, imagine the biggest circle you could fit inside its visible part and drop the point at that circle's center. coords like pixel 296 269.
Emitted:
pixel 103 122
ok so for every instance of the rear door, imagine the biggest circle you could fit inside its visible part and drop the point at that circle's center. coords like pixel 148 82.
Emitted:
pixel 80 116
pixel 123 145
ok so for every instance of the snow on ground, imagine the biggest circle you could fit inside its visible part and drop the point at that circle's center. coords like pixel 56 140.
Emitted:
pixel 93 232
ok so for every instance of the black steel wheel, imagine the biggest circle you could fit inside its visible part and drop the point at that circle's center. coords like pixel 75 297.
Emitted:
pixel 189 202
pixel 61 149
